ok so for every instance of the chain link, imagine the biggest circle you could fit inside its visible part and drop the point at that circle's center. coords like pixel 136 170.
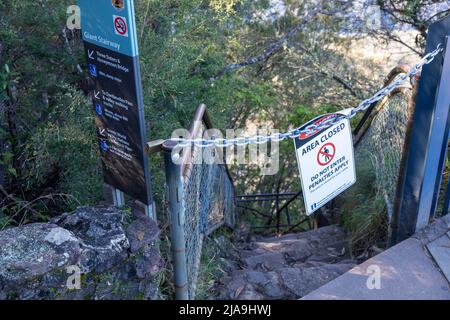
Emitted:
pixel 331 121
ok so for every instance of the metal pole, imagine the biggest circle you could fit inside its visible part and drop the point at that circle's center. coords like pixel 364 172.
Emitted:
pixel 446 206
pixel 119 198
pixel 2 145
pixel 435 164
pixel 143 209
pixel 419 187
pixel 176 214
pixel 2 123
pixel 277 208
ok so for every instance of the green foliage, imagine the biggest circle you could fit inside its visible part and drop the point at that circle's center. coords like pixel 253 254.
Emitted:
pixel 211 264
pixel 303 114
pixel 363 210
pixel 51 157
pixel 183 45
pixel 4 75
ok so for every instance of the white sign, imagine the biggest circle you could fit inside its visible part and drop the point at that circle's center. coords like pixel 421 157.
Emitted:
pixel 120 26
pixel 326 162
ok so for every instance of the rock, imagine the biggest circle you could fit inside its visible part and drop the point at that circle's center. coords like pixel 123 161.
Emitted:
pixel 102 235
pixel 33 250
pixel 266 262
pixel 253 285
pixel 287 267
pixel 89 245
pixel 142 232
pixel 281 284
pixel 148 263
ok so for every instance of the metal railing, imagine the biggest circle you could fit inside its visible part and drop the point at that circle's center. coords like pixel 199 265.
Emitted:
pixel 201 199
pixel 278 217
pixel 420 183
pixel 280 204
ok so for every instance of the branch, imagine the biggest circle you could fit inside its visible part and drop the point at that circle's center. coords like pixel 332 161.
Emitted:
pixel 273 48
pixel 389 36
pixel 322 69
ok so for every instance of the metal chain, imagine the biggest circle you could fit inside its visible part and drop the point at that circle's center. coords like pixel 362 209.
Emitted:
pixel 331 121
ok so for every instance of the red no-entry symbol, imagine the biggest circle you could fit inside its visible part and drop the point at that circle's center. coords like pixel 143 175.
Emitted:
pixel 120 25
pixel 326 154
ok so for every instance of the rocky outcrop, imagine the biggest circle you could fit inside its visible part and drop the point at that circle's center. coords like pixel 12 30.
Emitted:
pixel 92 253
pixel 287 267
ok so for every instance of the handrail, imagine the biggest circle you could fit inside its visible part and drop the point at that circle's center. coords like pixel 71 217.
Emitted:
pixel 201 117
pixel 242 200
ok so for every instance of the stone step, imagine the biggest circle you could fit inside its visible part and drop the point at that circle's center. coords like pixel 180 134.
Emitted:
pixel 287 267
pixel 284 283
pixel 269 260
pixel 332 231
pixel 300 250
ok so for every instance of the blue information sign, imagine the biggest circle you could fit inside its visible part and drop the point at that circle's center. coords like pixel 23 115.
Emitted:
pixel 109 35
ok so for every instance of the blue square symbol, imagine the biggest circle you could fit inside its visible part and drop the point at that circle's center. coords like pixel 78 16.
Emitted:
pixel 93 70
pixel 104 145
pixel 98 109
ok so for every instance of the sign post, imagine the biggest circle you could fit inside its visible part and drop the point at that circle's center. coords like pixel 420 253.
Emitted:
pixel 110 41
pixel 326 162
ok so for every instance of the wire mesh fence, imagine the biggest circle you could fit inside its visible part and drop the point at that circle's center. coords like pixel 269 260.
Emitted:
pixel 383 142
pixel 201 200
pixel 208 197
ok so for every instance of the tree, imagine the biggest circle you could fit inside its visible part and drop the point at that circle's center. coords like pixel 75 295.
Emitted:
pixel 418 14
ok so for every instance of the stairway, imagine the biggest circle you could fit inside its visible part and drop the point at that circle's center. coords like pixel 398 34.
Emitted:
pixel 286 267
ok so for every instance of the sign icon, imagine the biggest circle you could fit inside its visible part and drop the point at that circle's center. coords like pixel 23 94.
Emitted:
pixel 326 154
pixel 99 109
pixel 93 70
pixel 104 145
pixel 118 4
pixel 91 54
pixel 102 131
pixel 97 95
pixel 120 26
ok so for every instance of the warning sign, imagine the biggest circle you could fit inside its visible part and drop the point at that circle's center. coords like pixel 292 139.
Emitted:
pixel 120 26
pixel 326 162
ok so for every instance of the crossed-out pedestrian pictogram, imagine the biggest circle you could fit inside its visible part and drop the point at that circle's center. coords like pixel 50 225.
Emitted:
pixel 326 154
